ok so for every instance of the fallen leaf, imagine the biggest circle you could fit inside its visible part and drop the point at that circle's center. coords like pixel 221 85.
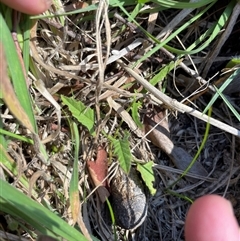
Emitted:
pixel 159 135
pixel 156 124
pixel 98 171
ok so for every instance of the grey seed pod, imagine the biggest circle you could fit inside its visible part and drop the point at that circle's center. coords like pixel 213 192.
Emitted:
pixel 128 199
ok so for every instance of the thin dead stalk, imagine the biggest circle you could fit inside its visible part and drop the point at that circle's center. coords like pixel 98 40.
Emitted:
pixel 101 18
pixel 173 104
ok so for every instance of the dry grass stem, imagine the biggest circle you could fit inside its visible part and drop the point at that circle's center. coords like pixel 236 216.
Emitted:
pixel 175 105
pixel 142 117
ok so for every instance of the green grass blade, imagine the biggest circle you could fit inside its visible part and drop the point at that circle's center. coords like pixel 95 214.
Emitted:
pixel 15 136
pixel 7 14
pixel 164 43
pixel 212 33
pixel 16 71
pixel 205 137
pixel 179 4
pixel 198 151
pixel 221 89
pixel 93 7
pixel 184 197
pixel 3 141
pixel 234 111
pixel 11 165
pixel 15 212
pixel 26 41
pixel 215 30
pixel 112 218
pixel 73 189
pixel 18 204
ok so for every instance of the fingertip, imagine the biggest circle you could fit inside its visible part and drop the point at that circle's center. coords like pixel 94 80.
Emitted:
pixel 211 218
pixel 31 7
pixel 44 5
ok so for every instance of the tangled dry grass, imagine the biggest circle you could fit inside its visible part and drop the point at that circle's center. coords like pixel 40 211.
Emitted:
pixel 81 59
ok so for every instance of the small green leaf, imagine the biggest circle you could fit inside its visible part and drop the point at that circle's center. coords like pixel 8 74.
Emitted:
pixel 147 175
pixel 122 151
pixel 163 72
pixel 233 62
pixel 83 114
pixel 135 115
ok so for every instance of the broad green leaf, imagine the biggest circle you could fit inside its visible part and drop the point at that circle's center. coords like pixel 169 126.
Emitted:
pixel 83 114
pixel 122 151
pixel 19 205
pixel 147 175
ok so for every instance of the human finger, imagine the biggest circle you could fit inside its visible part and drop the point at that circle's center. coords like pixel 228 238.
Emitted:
pixel 29 6
pixel 211 218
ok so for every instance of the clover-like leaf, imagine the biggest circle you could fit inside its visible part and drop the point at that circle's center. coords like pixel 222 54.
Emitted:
pixel 83 114
pixel 147 175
